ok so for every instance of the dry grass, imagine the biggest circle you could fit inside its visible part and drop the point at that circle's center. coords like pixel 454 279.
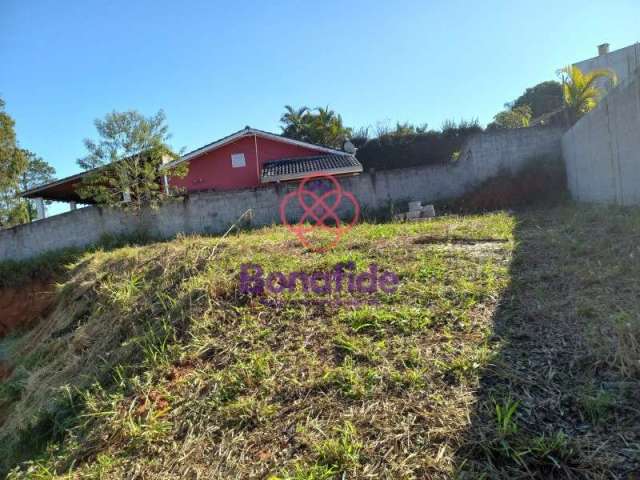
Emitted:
pixel 486 361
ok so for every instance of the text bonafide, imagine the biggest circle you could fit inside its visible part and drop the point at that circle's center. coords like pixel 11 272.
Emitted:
pixel 342 278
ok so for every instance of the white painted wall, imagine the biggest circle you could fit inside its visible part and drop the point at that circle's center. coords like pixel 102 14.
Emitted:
pixel 624 62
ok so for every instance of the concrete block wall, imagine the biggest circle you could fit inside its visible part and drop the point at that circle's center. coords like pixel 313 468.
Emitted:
pixel 482 157
pixel 602 150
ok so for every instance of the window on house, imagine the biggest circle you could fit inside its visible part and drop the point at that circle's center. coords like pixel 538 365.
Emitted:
pixel 238 161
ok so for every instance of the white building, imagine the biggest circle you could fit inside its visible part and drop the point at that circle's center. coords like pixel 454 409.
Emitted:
pixel 623 62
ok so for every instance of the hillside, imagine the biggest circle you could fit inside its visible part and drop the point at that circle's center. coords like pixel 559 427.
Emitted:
pixel 509 348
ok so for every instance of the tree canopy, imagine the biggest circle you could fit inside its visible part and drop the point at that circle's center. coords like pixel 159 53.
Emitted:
pixel 38 172
pixel 122 135
pixel 15 209
pixel 20 170
pixel 543 98
pixel 12 159
pixel 517 117
pixel 321 126
pixel 130 152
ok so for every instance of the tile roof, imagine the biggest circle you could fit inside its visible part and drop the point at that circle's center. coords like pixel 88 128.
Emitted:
pixel 248 131
pixel 292 168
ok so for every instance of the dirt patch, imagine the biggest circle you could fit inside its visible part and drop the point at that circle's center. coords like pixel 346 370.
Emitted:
pixel 22 306
pixel 429 239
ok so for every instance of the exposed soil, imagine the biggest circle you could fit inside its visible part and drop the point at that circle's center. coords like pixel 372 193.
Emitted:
pixel 5 371
pixel 22 306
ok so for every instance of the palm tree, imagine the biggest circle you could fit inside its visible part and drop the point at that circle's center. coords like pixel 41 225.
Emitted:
pixel 329 129
pixel 320 125
pixel 293 120
pixel 580 92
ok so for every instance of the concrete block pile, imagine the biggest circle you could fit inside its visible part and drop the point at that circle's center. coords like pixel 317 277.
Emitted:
pixel 417 211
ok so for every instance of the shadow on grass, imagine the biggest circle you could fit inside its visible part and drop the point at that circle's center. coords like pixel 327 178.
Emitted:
pixel 556 401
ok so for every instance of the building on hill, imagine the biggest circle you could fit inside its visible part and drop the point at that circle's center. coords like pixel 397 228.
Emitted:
pixel 248 158
pixel 624 62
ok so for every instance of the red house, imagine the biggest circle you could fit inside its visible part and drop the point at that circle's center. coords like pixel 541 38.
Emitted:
pixel 248 158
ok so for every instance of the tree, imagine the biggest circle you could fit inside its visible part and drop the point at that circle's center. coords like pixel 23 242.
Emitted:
pixel 12 159
pixel 13 163
pixel 294 121
pixel 543 98
pixel 38 172
pixel 127 161
pixel 15 210
pixel 580 90
pixel 517 117
pixel 320 126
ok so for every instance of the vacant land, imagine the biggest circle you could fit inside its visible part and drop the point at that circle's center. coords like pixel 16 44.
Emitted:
pixel 509 350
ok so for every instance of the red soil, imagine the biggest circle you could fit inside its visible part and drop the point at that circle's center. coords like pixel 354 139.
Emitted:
pixel 5 371
pixel 22 306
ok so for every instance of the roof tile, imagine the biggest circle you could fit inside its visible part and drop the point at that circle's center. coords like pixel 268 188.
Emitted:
pixel 301 166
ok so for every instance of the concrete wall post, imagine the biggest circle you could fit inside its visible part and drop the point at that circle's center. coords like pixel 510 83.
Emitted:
pixel 41 211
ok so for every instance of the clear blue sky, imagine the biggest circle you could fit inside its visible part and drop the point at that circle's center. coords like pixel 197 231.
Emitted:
pixel 215 67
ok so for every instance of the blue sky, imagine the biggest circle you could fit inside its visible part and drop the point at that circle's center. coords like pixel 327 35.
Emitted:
pixel 215 67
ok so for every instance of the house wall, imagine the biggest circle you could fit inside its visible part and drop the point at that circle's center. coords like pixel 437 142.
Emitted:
pixel 213 170
pixel 623 62
pixel 484 156
pixel 602 150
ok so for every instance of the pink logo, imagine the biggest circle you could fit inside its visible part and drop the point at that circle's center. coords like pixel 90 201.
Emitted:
pixel 319 197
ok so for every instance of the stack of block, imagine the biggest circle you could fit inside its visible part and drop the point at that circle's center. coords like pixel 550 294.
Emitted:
pixel 417 212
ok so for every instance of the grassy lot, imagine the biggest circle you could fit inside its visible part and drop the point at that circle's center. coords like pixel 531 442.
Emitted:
pixel 510 350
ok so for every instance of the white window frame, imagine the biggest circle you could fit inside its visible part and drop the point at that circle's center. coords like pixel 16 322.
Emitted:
pixel 238 160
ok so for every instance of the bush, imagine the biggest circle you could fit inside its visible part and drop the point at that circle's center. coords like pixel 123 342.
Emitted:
pixel 407 146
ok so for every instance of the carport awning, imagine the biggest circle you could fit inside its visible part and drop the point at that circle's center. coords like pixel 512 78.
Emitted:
pixel 281 170
pixel 64 190
pixel 300 167
pixel 60 190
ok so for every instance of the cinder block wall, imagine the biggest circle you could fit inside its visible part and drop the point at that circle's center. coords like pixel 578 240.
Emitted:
pixel 602 150
pixel 213 212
